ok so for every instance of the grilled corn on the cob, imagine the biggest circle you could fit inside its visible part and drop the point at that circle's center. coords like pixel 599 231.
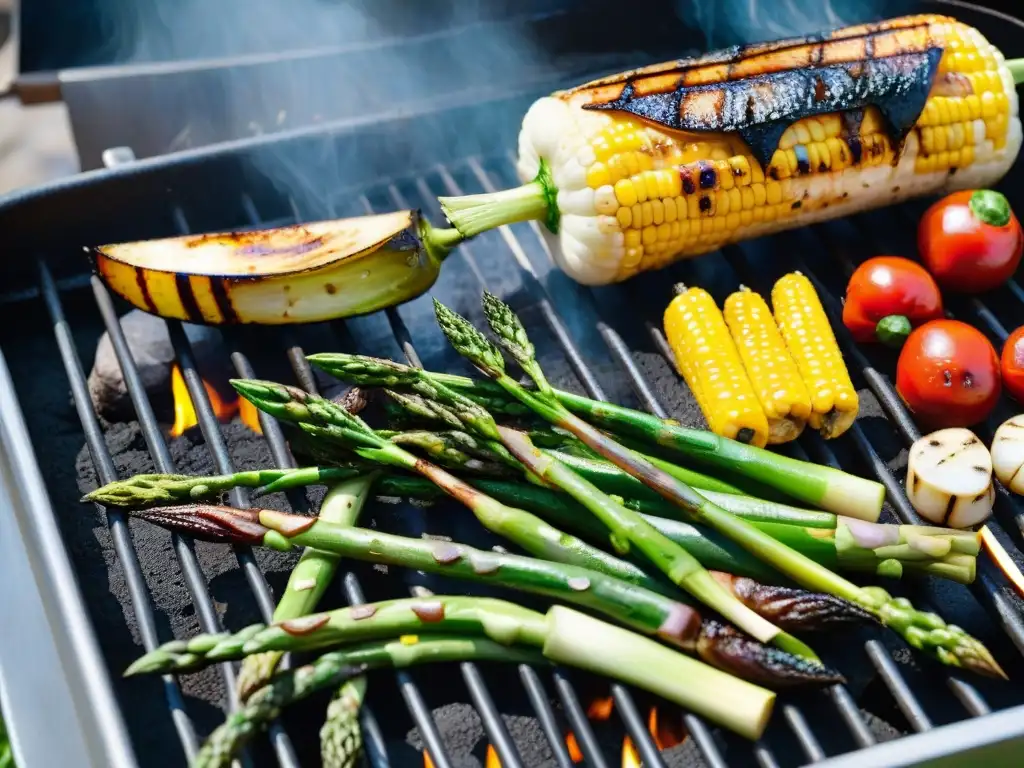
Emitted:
pixel 772 372
pixel 808 335
pixel 640 169
pixel 709 362
pixel 299 274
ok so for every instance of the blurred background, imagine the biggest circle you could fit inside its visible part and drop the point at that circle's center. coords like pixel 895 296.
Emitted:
pixel 80 76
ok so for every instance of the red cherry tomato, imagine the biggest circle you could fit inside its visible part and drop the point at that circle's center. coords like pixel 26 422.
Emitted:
pixel 970 241
pixel 886 297
pixel 948 374
pixel 1012 364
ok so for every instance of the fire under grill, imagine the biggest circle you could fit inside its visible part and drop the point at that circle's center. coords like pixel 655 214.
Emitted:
pixel 142 586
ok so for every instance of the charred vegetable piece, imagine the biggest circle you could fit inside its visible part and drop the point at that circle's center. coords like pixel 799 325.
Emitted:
pixel 887 297
pixel 971 241
pixel 300 274
pixel 949 478
pixel 809 338
pixel 772 372
pixel 948 374
pixel 708 360
pixel 1008 453
pixel 635 171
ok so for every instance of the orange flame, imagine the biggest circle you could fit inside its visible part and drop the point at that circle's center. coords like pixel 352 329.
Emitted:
pixel 224 409
pixel 601 709
pixel 574 748
pixel 427 762
pixel 492 761
pixel 630 757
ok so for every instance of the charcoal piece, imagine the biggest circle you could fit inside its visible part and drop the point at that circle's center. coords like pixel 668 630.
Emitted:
pixel 150 345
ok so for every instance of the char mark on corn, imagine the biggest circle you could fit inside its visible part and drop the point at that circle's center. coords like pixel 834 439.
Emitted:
pixel 723 152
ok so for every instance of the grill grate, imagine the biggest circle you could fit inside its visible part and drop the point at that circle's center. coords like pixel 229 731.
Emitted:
pixel 988 589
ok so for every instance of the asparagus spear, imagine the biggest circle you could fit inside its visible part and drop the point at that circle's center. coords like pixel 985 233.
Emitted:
pixel 922 630
pixel 563 635
pixel 332 669
pixel 625 525
pixel 341 739
pixel 805 482
pixel 834 541
pixel 638 608
pixel 309 579
pixel 326 420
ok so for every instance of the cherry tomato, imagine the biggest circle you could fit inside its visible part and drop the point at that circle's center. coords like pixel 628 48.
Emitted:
pixel 1012 364
pixel 948 374
pixel 970 241
pixel 886 297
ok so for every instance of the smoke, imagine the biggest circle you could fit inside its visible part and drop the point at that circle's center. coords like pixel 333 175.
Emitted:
pixel 734 22
pixel 336 60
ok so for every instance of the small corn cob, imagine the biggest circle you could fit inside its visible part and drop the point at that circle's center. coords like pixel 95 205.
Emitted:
pixel 709 362
pixel 643 168
pixel 769 366
pixel 808 335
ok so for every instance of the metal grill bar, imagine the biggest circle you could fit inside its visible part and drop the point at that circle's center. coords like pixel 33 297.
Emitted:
pixel 625 705
pixel 183 545
pixel 157 447
pixel 116 520
pixel 414 701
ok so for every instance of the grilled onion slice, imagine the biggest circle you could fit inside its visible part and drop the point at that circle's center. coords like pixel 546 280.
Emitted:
pixel 949 478
pixel 299 274
pixel 1008 453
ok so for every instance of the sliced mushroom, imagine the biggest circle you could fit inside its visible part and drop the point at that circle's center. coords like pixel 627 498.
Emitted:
pixel 1008 453
pixel 949 478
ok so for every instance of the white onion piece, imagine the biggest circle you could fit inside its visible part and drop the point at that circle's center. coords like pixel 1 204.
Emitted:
pixel 1008 453
pixel 949 478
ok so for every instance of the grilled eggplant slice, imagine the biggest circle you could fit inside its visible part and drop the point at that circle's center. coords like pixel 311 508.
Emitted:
pixel 299 274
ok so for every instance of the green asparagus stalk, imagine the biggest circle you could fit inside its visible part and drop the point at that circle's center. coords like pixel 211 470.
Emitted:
pixel 804 482
pixel 638 608
pixel 834 541
pixel 922 630
pixel 563 635
pixel 341 738
pixel 310 578
pixel 335 668
pixel 327 421
pixel 626 527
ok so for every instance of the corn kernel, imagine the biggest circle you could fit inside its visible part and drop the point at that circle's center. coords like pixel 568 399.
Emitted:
pixel 605 200
pixel 624 216
pixel 724 173
pixel 648 236
pixel 735 199
pixel 817 132
pixel 664 232
pixel 598 176
pixel 625 192
pixel 669 208
pixel 632 237
pixel 988 104
pixel 740 169
pixel 645 215
pixel 759 195
pixel 657 211
pixel 732 221
pixel 774 193
pixel 756 173
pixel 721 206
pixel 693 206
pixel 746 217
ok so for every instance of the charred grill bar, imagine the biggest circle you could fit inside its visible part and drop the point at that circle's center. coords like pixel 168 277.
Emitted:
pixel 170 196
